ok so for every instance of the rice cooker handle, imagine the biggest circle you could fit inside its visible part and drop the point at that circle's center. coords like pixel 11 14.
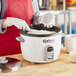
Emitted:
pixel 20 39
pixel 49 56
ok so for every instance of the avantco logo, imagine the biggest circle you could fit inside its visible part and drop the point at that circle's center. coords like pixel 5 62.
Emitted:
pixel 48 41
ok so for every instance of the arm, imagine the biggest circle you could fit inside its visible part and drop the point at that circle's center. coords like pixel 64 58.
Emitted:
pixel 38 19
pixel 35 12
pixel 9 21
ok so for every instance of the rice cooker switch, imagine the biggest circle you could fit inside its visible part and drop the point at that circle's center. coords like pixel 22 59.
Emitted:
pixel 50 49
pixel 49 53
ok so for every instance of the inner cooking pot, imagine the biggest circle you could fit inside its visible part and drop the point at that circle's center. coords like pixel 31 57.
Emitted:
pixel 41 27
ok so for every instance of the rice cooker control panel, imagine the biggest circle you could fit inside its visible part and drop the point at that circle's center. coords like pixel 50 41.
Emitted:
pixel 49 56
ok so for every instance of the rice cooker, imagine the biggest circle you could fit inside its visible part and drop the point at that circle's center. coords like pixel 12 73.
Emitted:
pixel 40 48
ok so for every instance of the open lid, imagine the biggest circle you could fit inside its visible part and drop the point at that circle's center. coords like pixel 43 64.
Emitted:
pixel 9 64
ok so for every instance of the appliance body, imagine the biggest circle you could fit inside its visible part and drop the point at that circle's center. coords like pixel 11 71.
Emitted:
pixel 41 49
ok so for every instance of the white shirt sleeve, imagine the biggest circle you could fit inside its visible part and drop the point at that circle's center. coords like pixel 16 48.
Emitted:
pixel 35 8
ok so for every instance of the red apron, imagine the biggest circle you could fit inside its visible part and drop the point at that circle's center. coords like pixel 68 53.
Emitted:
pixel 20 9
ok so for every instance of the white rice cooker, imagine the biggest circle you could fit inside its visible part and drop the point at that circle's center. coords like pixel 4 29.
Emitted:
pixel 39 48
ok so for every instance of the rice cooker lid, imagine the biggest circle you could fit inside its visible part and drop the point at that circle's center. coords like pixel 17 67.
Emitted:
pixel 41 27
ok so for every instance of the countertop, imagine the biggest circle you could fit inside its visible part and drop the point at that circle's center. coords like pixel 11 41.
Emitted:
pixel 61 67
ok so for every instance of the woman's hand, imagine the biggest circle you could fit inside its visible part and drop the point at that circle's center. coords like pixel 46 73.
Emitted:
pixel 20 24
